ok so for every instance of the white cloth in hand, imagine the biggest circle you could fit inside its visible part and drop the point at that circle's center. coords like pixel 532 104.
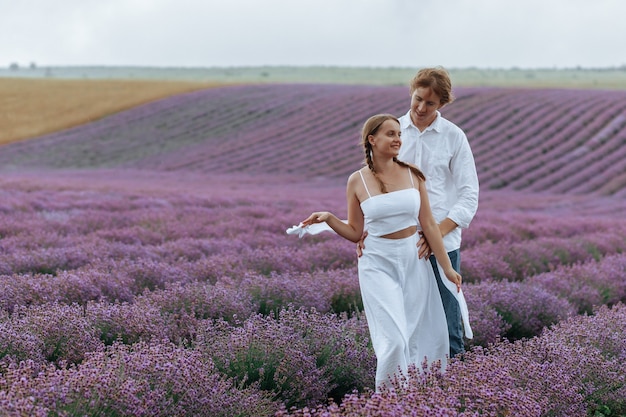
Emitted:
pixel 312 229
pixel 451 286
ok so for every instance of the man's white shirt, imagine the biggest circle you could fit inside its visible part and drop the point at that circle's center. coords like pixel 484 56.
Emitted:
pixel 442 152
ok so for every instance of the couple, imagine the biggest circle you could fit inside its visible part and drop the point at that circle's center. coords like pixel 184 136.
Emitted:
pixel 404 295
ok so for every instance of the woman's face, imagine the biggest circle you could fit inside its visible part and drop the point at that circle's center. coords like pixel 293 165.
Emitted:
pixel 424 106
pixel 387 139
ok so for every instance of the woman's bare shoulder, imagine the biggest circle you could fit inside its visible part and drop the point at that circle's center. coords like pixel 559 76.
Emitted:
pixel 356 175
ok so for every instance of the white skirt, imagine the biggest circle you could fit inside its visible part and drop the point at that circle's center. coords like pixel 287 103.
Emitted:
pixel 403 307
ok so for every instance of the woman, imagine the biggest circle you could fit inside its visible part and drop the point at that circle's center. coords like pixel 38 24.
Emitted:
pixel 402 303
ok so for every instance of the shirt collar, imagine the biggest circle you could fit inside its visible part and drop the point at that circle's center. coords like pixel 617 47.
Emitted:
pixel 407 122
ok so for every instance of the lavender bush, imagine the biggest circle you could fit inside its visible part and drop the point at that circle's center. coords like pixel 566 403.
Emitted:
pixel 526 309
pixel 301 356
pixel 574 369
pixel 587 284
pixel 146 379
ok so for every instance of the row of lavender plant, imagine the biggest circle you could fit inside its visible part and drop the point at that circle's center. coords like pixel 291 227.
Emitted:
pixel 291 364
pixel 114 247
pixel 498 308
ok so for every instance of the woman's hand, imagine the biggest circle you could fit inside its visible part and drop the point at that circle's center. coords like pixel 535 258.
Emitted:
pixel 317 217
pixel 455 277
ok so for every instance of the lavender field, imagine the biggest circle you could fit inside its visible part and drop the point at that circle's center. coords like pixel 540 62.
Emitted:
pixel 145 269
pixel 556 141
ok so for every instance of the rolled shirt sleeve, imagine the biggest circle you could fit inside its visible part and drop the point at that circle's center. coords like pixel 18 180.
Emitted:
pixel 465 180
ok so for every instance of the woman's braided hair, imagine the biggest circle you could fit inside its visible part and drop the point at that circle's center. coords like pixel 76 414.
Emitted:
pixel 370 127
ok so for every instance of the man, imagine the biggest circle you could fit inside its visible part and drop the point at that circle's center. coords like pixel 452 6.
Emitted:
pixel 440 149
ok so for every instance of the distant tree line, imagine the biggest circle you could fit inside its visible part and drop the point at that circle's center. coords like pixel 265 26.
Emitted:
pixel 14 66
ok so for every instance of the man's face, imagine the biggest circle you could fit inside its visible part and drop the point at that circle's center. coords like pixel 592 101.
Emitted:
pixel 424 106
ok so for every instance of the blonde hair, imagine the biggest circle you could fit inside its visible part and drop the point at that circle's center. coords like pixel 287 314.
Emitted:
pixel 437 79
pixel 370 127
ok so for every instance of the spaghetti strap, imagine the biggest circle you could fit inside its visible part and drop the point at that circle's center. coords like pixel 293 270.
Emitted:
pixel 363 179
pixel 410 176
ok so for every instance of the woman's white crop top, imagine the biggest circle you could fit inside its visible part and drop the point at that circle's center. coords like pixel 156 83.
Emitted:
pixel 391 212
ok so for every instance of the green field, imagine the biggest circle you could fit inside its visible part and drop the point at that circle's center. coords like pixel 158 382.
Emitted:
pixel 602 78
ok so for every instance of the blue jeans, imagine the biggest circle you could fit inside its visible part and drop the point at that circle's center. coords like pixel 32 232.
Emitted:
pixel 451 305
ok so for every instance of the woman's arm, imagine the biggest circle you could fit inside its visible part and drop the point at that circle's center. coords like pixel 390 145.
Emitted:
pixel 354 228
pixel 433 235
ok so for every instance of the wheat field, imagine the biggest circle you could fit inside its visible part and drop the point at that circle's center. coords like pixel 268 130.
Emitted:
pixel 34 107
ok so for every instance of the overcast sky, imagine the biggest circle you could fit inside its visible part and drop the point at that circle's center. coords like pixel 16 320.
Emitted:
pixel 380 33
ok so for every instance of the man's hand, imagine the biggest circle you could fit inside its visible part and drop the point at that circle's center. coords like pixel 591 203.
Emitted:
pixel 360 245
pixel 423 249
